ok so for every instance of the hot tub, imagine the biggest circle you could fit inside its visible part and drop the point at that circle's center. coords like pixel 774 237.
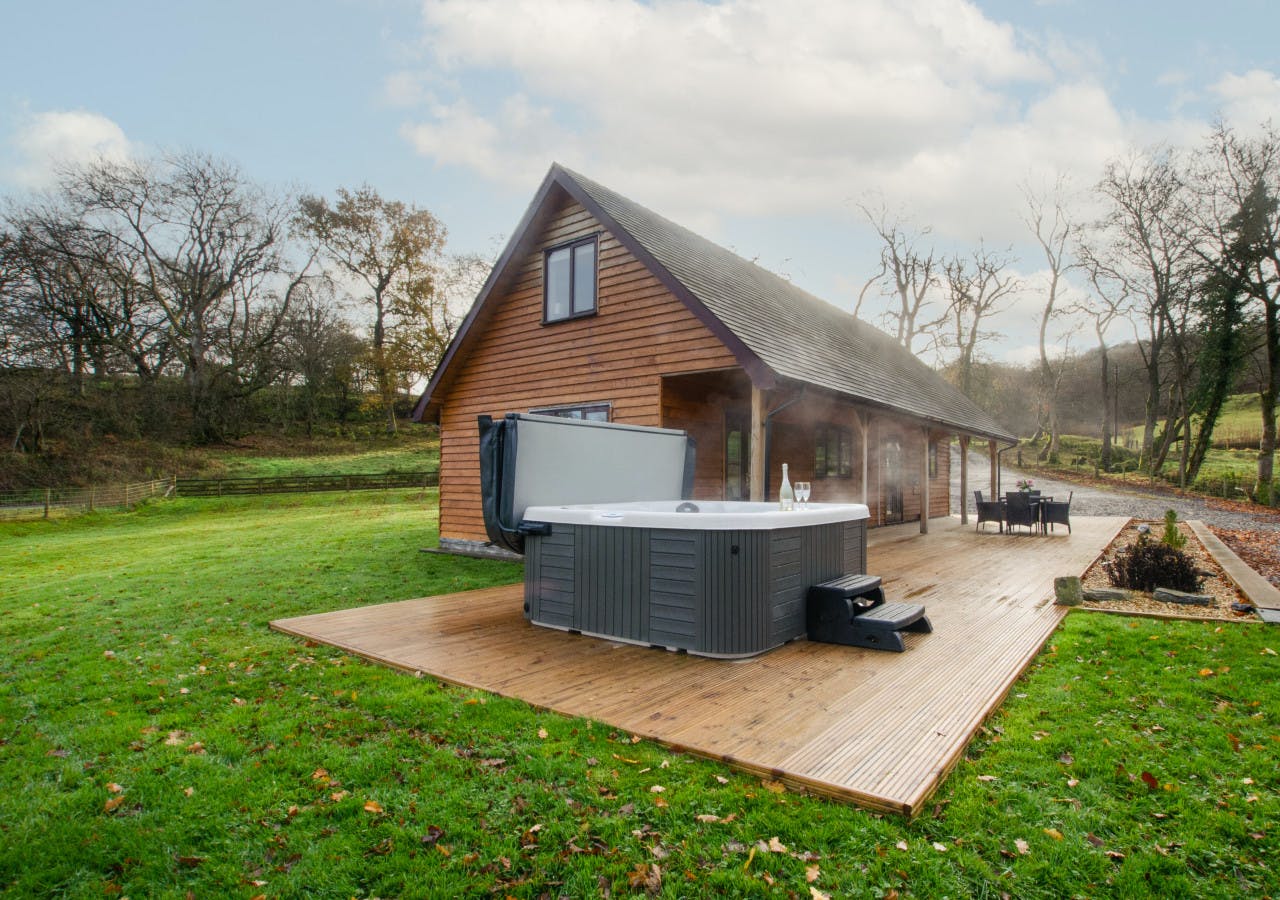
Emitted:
pixel 714 578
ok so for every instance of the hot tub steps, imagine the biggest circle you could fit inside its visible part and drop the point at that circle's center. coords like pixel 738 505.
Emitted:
pixel 851 610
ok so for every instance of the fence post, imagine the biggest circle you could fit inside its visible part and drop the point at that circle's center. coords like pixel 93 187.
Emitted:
pixel 91 498
pixel 47 493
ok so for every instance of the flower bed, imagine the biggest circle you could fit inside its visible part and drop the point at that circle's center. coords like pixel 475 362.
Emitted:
pixel 1216 585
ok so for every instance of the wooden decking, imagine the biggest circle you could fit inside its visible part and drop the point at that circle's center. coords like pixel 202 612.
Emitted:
pixel 875 728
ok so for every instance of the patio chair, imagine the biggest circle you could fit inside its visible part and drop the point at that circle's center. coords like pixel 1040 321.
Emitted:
pixel 1056 512
pixel 988 511
pixel 1019 511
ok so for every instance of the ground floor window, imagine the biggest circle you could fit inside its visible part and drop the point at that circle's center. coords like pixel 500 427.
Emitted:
pixel 591 412
pixel 833 452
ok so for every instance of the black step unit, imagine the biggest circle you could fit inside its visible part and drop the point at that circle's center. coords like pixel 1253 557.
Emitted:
pixel 851 610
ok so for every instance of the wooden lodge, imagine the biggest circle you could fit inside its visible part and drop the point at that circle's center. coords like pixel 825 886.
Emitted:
pixel 600 309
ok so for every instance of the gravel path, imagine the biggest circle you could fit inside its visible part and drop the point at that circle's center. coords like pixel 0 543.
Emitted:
pixel 1095 501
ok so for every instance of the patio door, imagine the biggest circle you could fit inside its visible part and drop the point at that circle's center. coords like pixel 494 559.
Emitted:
pixel 891 480
pixel 736 453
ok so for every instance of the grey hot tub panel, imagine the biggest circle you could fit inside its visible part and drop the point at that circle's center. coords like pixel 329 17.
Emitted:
pixel 721 593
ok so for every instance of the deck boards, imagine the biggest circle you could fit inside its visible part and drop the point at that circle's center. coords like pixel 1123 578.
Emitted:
pixel 876 728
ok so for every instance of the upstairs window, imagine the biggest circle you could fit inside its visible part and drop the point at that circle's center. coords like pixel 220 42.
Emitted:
pixel 569 279
pixel 832 452
pixel 591 412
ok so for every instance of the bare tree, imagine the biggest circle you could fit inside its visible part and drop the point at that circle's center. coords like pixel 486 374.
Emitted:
pixel 1049 221
pixel 209 247
pixel 393 250
pixel 1143 246
pixel 909 279
pixel 1102 310
pixel 1243 188
pixel 978 287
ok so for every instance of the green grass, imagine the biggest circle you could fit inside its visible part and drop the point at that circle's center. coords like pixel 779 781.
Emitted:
pixel 411 451
pixel 137 655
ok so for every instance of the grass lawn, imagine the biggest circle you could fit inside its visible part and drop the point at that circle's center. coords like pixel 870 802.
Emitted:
pixel 156 739
pixel 414 449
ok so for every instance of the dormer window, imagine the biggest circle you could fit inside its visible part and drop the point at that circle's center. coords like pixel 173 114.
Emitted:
pixel 569 277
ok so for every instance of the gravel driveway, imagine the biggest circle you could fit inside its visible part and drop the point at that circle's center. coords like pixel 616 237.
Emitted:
pixel 1095 501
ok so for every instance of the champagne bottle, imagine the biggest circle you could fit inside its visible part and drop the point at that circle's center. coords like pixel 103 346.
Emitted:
pixel 786 496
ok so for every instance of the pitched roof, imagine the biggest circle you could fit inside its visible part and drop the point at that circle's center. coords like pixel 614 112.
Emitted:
pixel 776 330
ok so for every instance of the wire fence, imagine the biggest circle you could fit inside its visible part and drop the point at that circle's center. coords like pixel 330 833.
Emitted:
pixel 302 484
pixel 44 502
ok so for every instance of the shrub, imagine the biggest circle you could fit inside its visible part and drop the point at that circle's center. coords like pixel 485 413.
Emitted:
pixel 1172 537
pixel 1149 564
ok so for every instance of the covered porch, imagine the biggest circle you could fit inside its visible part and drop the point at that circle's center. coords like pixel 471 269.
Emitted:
pixel 874 728
pixel 899 466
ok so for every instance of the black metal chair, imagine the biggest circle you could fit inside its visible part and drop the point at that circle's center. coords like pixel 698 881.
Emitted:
pixel 1056 512
pixel 988 511
pixel 1019 511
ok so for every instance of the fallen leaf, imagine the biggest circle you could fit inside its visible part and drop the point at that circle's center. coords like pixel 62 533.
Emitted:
pixel 113 803
pixel 175 738
pixel 339 796
pixel 776 846
pixel 1267 651
pixel 722 779
pixel 1205 673
pixel 1023 847
pixel 189 861
pixel 1235 742
pixel 941 848
pixel 1054 833
pixel 1150 781
pixel 811 874
pixel 901 845
pixel 1094 839
pixel 115 788
pixel 645 876
pixel 660 802
pixel 1066 759
pixel 372 806
pixel 434 833
pixel 1115 854
pixel 656 789
pixel 188 791
pixel 542 733
pixel 816 894
pixel 1072 782
pixel 776 787
pixel 988 778
pixel 707 817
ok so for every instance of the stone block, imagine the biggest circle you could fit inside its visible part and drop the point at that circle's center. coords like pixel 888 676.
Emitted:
pixel 1067 590
pixel 1168 595
pixel 1105 595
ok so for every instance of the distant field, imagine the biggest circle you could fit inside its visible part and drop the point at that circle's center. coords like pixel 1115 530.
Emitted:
pixel 412 451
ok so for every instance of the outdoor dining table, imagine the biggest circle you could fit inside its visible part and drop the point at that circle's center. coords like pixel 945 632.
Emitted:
pixel 1035 501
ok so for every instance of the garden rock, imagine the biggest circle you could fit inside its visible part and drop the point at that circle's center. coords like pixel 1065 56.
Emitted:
pixel 1105 595
pixel 1168 595
pixel 1067 591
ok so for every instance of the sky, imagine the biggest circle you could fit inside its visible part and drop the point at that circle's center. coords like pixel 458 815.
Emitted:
pixel 765 126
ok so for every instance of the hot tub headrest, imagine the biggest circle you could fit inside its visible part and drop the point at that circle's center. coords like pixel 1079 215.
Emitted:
pixel 530 460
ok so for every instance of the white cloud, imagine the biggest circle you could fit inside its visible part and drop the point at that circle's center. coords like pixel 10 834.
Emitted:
pixel 753 107
pixel 1250 99
pixel 45 141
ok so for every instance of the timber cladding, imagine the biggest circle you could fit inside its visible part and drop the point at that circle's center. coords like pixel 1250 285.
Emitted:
pixel 640 333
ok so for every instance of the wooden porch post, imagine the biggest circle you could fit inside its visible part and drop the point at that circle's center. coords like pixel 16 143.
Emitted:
pixel 995 469
pixel 964 479
pixel 924 481
pixel 755 471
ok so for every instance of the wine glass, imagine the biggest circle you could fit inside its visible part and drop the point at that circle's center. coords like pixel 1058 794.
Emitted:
pixel 802 493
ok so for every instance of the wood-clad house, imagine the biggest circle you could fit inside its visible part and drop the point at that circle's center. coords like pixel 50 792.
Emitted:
pixel 601 309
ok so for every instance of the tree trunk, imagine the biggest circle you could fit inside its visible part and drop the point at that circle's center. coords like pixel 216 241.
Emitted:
pixel 1264 491
pixel 1108 423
